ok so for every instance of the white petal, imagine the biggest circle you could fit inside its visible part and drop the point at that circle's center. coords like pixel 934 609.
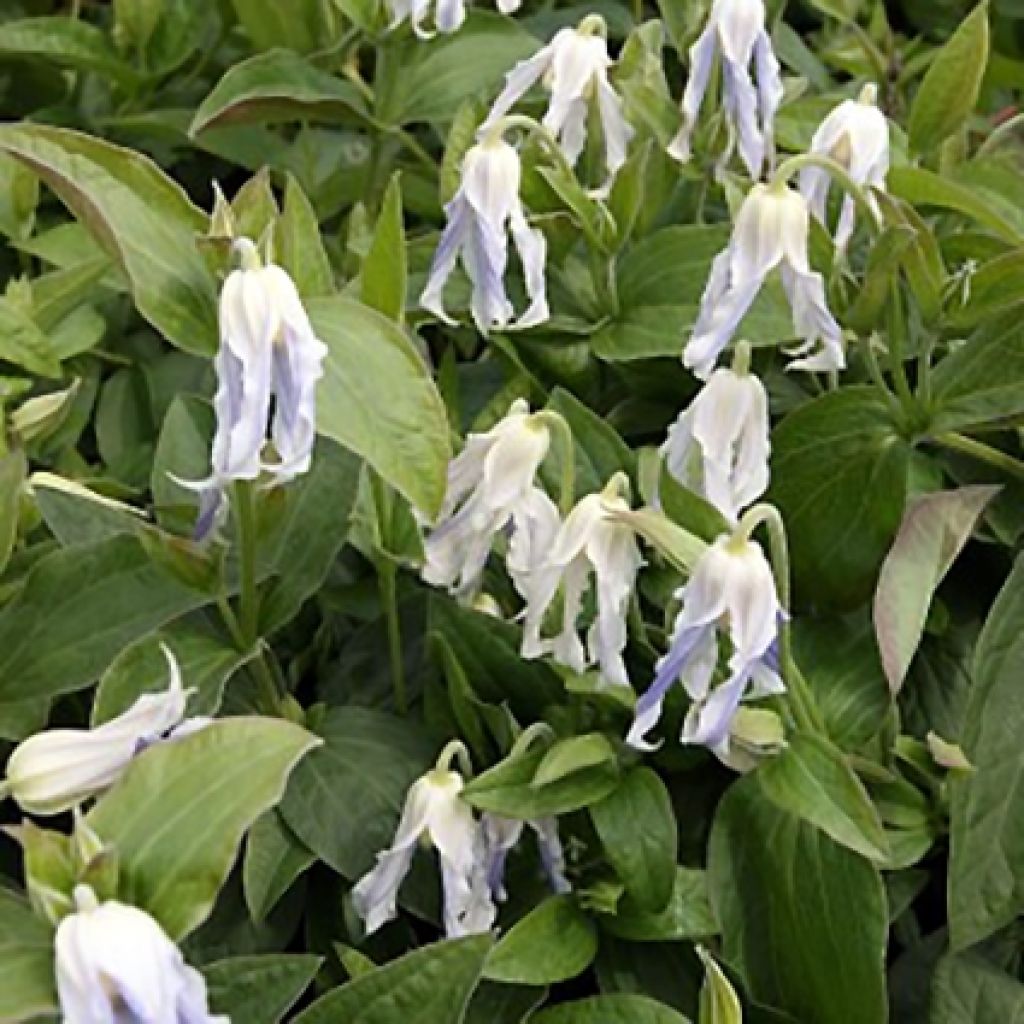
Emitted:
pixel 552 856
pixel 769 89
pixel 702 60
pixel 813 321
pixel 617 131
pixel 449 15
pixel 517 83
pixel 740 99
pixel 532 248
pixel 453 238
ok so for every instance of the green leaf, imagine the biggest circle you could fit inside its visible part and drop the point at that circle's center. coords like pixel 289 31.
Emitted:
pixel 778 884
pixel 981 381
pixel 178 815
pixel 273 87
pixel 344 800
pixel 573 754
pixel 12 477
pixel 384 275
pixel 300 246
pixel 259 989
pixel 686 917
pixel 429 986
pixel 183 451
pixel 719 1003
pixel 968 989
pixel 435 77
pixel 996 286
pixel 949 91
pixel 274 858
pixel 206 662
pixel 503 1004
pixel 554 942
pixel 24 344
pixel 812 780
pixel 934 530
pixel 986 867
pixel 839 473
pixel 67 42
pixel 637 828
pixel 926 188
pixel 142 219
pixel 377 399
pixel 620 1008
pixel 27 988
pixel 78 608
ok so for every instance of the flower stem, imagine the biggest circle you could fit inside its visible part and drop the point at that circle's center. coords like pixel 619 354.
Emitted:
pixel 387 582
pixel 567 456
pixel 249 598
pixel 790 167
pixel 982 452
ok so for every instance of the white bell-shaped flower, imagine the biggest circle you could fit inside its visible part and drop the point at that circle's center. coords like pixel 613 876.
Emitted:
pixel 502 834
pixel 55 770
pixel 114 963
pixel 771 231
pixel 268 350
pixel 481 215
pixel 856 135
pixel 574 68
pixel 449 15
pixel 719 445
pixel 736 30
pixel 731 592
pixel 489 479
pixel 434 814
pixel 591 542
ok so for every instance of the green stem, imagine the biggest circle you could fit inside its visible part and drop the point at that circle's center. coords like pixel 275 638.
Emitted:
pixel 875 371
pixel 795 163
pixel 249 598
pixel 805 709
pixel 269 694
pixel 982 452
pixel 897 332
pixel 387 582
pixel 231 622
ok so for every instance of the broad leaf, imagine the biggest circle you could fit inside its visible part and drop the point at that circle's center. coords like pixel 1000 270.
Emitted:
pixel 429 986
pixel 178 815
pixel 968 989
pixel 687 916
pixel 27 988
pixel 274 858
pixel 67 42
pixel 620 1008
pixel 382 281
pixel 259 989
pixel 777 884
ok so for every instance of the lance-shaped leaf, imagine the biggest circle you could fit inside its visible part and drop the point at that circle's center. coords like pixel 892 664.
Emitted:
pixel 27 990
pixel 178 815
pixel 934 531
pixel 67 42
pixel 259 989
pixel 143 220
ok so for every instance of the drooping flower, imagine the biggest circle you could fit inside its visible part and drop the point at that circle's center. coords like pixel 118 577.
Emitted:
pixel 771 231
pixel 115 963
pixel 590 542
pixel 268 350
pixel 574 68
pixel 449 15
pixel 481 215
pixel 489 479
pixel 856 135
pixel 502 834
pixel 434 813
pixel 719 446
pixel 731 593
pixel 55 770
pixel 736 29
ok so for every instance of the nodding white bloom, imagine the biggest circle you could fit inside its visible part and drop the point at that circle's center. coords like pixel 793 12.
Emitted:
pixel 535 525
pixel 115 963
pixel 433 813
pixel 590 541
pixel 55 770
pixel 736 29
pixel 487 482
pixel 574 68
pixel 448 14
pixel 501 834
pixel 856 135
pixel 771 230
pixel 719 446
pixel 732 591
pixel 268 349
pixel 482 213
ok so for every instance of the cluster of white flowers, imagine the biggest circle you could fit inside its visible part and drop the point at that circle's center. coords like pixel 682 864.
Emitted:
pixel 471 853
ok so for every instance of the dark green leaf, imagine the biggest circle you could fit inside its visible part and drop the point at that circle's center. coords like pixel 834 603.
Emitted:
pixel 259 989
pixel 620 1008
pixel 274 858
pixel 967 989
pixel 383 277
pixel 27 987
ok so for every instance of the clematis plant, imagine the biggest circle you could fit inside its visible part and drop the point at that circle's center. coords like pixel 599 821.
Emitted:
pixel 58 769
pixel 449 15
pixel 502 834
pixel 719 445
pixel 730 595
pixel 115 963
pixel 736 30
pixel 856 136
pixel 484 210
pixel 435 815
pixel 574 68
pixel 770 231
pixel 268 351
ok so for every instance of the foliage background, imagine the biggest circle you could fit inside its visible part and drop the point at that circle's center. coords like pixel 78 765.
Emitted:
pixel 842 883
